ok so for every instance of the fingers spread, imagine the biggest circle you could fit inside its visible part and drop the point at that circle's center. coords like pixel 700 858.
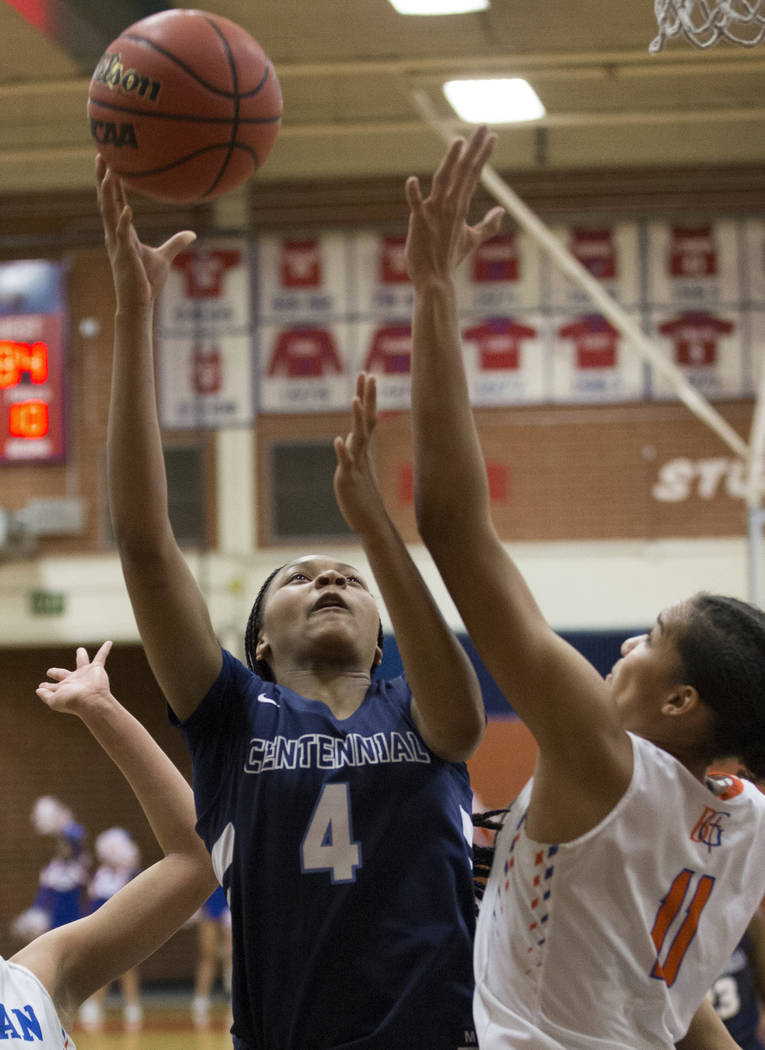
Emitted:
pixel 341 451
pixel 471 163
pixel 103 652
pixel 58 674
pixel 369 404
pixel 443 176
pixel 413 193
pixel 489 224
pixel 177 243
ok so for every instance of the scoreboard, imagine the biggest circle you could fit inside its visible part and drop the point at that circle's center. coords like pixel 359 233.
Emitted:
pixel 32 408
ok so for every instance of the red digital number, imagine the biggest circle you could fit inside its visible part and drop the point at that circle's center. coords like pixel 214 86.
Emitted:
pixel 28 419
pixel 17 358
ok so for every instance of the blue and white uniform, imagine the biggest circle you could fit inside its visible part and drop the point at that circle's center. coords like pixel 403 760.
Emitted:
pixel 62 883
pixel 27 1014
pixel 106 882
pixel 344 847
pixel 215 908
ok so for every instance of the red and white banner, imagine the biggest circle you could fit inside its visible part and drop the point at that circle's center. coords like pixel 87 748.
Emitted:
pixel 610 254
pixel 204 338
pixel 294 317
pixel 693 264
pixel 590 362
pixel 707 346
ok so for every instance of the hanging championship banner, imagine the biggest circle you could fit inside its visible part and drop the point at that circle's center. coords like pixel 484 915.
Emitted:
pixel 384 349
pixel 501 276
pixel 709 347
pixel 328 304
pixel 204 338
pixel 303 367
pixel 32 356
pixel 693 265
pixel 754 267
pixel 301 278
pixel 505 359
pixel 610 254
pixel 590 362
pixel 303 336
pixel 379 278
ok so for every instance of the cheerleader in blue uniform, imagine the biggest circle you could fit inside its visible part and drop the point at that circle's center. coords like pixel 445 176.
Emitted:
pixel 336 807
pixel 213 922
pixel 118 859
pixel 63 880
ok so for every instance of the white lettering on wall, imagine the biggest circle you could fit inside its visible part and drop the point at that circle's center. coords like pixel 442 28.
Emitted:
pixel 681 478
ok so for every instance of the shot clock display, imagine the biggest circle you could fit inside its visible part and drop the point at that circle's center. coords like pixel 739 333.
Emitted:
pixel 31 363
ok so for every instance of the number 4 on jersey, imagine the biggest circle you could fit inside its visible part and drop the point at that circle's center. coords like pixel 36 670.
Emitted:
pixel 327 844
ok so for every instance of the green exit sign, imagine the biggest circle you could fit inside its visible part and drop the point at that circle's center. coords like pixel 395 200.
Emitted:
pixel 48 603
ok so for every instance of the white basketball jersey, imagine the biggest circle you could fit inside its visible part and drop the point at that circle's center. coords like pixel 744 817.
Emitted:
pixel 27 1013
pixel 612 939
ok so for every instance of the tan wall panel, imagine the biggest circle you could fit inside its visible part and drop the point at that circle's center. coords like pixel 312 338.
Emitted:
pixel 571 473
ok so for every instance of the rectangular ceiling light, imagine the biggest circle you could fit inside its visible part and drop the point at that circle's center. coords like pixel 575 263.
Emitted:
pixel 438 7
pixel 494 101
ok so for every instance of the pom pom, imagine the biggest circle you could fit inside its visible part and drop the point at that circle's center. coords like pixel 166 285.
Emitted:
pixel 116 848
pixel 49 816
pixel 30 924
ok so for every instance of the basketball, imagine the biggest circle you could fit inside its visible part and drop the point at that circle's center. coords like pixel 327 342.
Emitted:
pixel 184 106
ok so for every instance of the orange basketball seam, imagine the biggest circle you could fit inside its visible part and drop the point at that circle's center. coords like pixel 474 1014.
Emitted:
pixel 187 69
pixel 190 156
pixel 190 117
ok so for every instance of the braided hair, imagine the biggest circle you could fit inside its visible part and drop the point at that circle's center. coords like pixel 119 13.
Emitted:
pixel 255 623
pixel 722 651
pixel 490 820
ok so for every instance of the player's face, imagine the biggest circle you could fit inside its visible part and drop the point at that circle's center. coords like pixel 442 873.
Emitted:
pixel 319 613
pixel 648 672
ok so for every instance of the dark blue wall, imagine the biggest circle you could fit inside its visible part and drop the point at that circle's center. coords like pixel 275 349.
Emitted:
pixel 601 648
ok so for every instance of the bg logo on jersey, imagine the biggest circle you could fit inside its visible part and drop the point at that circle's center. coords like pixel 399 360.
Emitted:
pixel 709 827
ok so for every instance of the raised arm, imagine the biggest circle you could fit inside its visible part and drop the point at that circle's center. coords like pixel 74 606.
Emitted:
pixel 448 706
pixel 169 608
pixel 707 1032
pixel 556 692
pixel 75 960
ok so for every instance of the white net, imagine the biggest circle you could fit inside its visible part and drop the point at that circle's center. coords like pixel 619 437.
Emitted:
pixel 706 22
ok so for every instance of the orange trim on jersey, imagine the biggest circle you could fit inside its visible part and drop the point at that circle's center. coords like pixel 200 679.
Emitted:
pixel 733 787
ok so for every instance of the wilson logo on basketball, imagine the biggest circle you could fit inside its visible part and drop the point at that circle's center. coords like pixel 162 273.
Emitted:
pixel 112 74
pixel 109 133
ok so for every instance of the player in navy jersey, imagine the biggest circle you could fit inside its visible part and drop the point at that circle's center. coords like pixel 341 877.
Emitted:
pixel 43 984
pixel 738 991
pixel 625 872
pixel 336 808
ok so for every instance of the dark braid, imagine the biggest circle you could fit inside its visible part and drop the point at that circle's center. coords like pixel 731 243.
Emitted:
pixel 252 631
pixel 483 856
pixel 722 649
pixel 255 622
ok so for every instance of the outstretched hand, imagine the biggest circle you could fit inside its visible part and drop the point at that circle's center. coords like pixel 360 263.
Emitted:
pixel 72 691
pixel 356 489
pixel 439 237
pixel 139 271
